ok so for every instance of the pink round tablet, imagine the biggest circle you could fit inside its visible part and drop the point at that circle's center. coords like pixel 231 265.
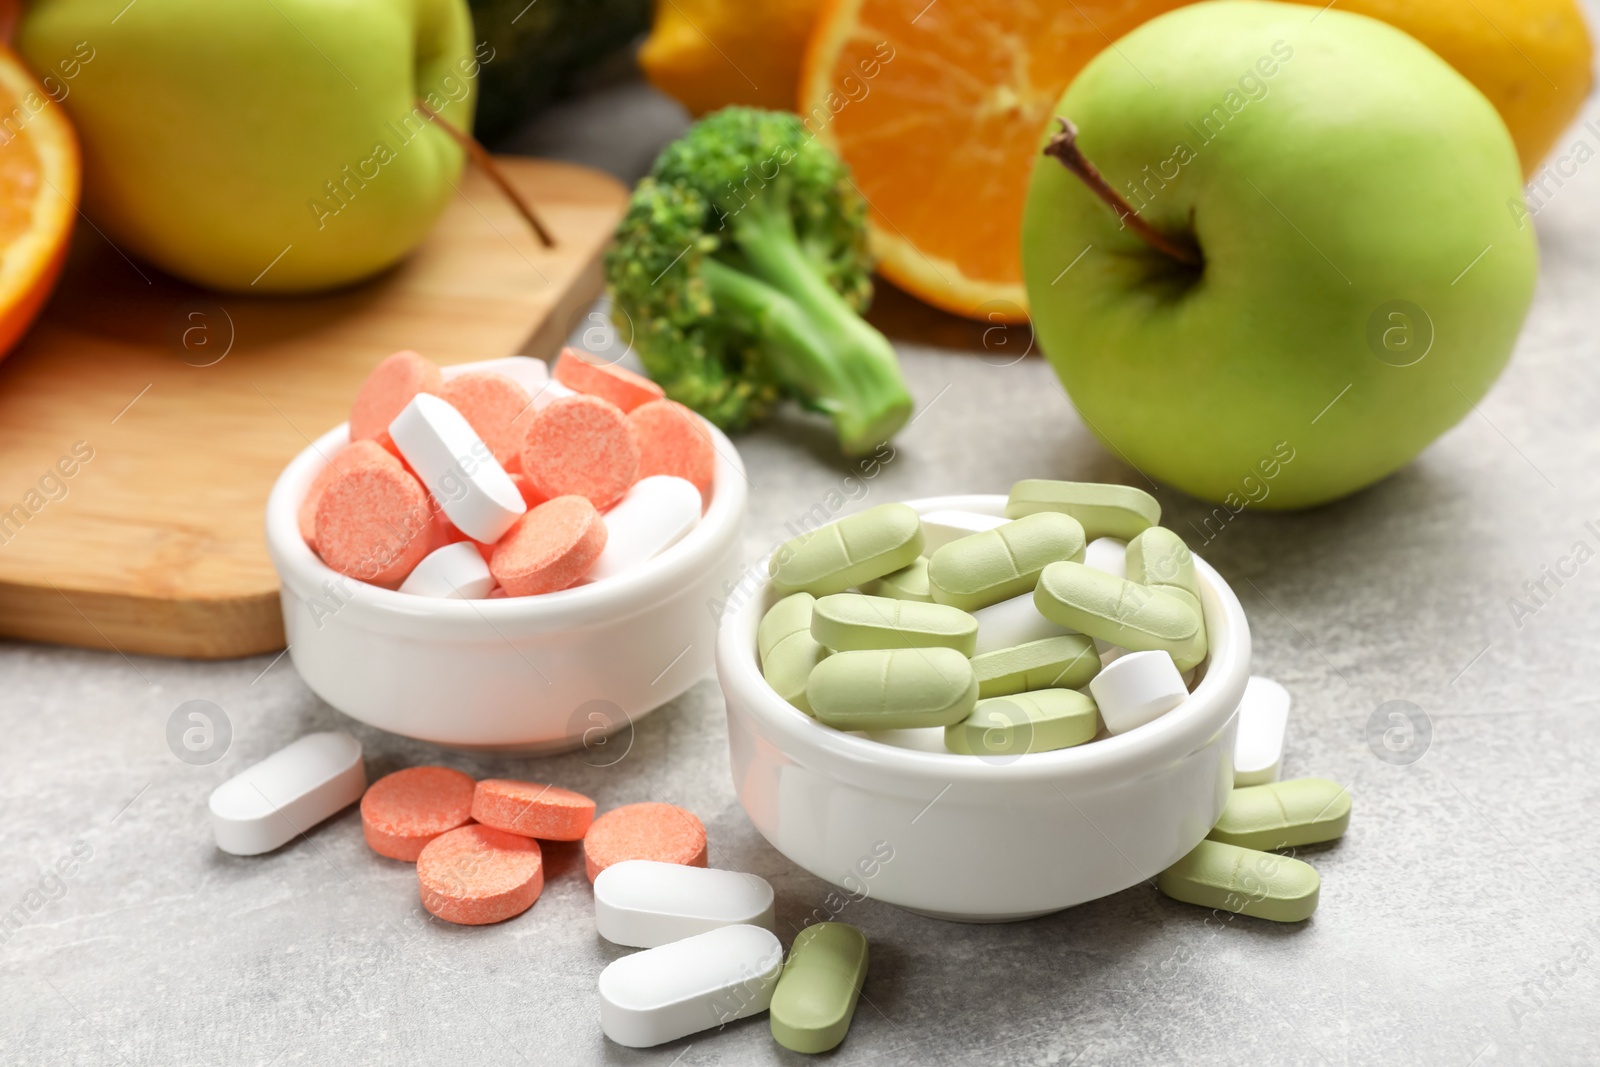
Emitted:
pixel 549 548
pixel 373 523
pixel 492 404
pixel 477 874
pixel 584 446
pixel 584 373
pixel 387 390
pixel 347 458
pixel 674 440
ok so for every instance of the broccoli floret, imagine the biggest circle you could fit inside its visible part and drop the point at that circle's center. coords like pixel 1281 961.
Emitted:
pixel 738 275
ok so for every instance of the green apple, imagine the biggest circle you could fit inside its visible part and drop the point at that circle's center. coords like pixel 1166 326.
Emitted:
pixel 262 145
pixel 1353 204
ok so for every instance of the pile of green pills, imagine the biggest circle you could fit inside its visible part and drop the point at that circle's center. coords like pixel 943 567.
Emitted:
pixel 871 634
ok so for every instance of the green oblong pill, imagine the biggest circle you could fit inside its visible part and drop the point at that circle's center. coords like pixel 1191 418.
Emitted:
pixel 1159 559
pixel 985 568
pixel 1243 881
pixel 1041 721
pixel 788 651
pixel 790 615
pixel 908 583
pixel 892 689
pixel 1300 811
pixel 1065 662
pixel 1102 510
pixel 855 549
pixel 1137 617
pixel 851 622
pixel 817 992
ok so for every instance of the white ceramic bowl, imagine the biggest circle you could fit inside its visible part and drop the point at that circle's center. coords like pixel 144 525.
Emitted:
pixel 531 674
pixel 973 839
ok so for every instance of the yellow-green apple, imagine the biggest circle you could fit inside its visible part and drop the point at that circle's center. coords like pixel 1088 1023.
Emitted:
pixel 263 145
pixel 1344 275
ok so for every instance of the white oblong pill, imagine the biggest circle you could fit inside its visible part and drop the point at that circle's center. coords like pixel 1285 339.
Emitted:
pixel 1012 622
pixel 655 514
pixel 1263 719
pixel 1137 688
pixel 530 373
pixel 687 986
pixel 939 528
pixel 454 572
pixel 477 495
pixel 645 903
pixel 1109 554
pixel 287 793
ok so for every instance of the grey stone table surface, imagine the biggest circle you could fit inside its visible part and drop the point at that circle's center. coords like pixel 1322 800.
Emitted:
pixel 1460 917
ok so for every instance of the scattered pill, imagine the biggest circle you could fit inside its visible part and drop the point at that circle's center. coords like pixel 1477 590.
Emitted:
pixel 681 988
pixel 985 568
pixel 583 446
pixel 655 514
pixel 674 440
pixel 454 572
pixel 457 467
pixel 373 523
pixel 550 547
pixel 644 903
pixel 476 875
pixel 1263 720
pixel 648 831
pixel 1066 662
pixel 855 549
pixel 908 583
pixel 788 651
pixel 1013 622
pixel 941 527
pixel 392 385
pixel 1121 612
pixel 1040 721
pixel 546 812
pixel 405 810
pixel 1137 688
pixel 852 622
pixel 816 995
pixel 1243 881
pixel 1107 554
pixel 270 803
pixel 1103 510
pixel 621 386
pixel 494 406
pixel 1301 811
pixel 892 689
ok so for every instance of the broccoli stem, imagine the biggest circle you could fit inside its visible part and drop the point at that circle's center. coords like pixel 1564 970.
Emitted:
pixel 822 349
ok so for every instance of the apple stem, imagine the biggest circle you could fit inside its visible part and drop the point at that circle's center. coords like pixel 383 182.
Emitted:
pixel 1064 147
pixel 485 162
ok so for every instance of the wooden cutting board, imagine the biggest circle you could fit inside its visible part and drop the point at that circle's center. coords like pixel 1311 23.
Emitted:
pixel 188 403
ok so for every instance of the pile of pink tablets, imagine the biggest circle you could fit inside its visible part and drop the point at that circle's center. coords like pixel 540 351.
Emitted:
pixel 476 844
pixel 508 480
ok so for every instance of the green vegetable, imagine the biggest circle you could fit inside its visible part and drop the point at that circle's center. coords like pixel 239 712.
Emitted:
pixel 738 274
pixel 532 52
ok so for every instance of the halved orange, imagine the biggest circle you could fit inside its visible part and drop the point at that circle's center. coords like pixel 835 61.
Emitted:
pixel 40 176
pixel 938 108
